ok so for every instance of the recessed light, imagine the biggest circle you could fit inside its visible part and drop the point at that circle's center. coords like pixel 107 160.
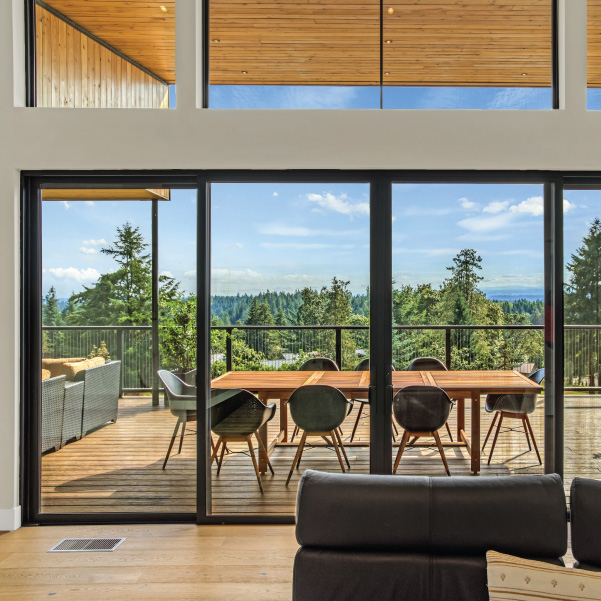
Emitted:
pixel 388 41
pixel 244 72
pixel 386 72
pixel 524 73
pixel 390 10
pixel 216 41
pixel 163 8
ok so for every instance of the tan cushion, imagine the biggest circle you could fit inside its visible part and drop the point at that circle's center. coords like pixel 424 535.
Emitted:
pixel 71 369
pixel 96 361
pixel 56 365
pixel 45 374
pixel 514 579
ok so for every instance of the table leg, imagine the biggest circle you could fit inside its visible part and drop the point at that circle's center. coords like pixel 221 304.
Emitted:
pixel 284 419
pixel 263 436
pixel 475 450
pixel 460 417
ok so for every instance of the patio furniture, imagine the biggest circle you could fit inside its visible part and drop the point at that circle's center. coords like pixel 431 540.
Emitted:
pixel 317 364
pixel 100 394
pixel 182 404
pixel 421 411
pixel 318 410
pixel 237 415
pixel 364 366
pixel 61 412
pixel 430 364
pixel 513 406
pixel 367 537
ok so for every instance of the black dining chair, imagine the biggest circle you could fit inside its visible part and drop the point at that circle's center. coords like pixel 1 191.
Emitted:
pixel 237 415
pixel 430 364
pixel 364 366
pixel 421 410
pixel 513 406
pixel 318 410
pixel 317 364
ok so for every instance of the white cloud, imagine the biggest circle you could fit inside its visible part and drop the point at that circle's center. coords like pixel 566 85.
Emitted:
pixel 486 224
pixel 567 205
pixel 281 229
pixel 80 276
pixel 190 274
pixel 496 206
pixel 393 218
pixel 234 245
pixel 275 194
pixel 100 242
pixel 87 251
pixel 468 205
pixel 67 205
pixel 531 206
pixel 90 203
pixel 166 273
pixel 339 204
pixel 297 245
pixel 428 252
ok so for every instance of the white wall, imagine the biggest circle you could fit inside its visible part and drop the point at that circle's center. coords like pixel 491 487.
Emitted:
pixel 190 138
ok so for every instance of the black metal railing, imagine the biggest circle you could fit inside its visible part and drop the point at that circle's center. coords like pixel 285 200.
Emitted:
pixel 285 347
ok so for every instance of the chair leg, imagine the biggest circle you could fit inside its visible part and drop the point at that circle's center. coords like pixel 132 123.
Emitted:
pixel 490 429
pixel 449 431
pixel 262 447
pixel 540 461
pixel 343 449
pixel 221 458
pixel 216 449
pixel 412 442
pixel 181 440
pixel 294 433
pixel 212 446
pixel 333 435
pixel 401 449
pixel 441 451
pixel 494 442
pixel 297 457
pixel 526 433
pixel 396 430
pixel 357 421
pixel 255 464
pixel 171 443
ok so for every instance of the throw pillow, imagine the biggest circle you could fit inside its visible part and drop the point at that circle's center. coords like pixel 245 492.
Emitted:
pixel 515 579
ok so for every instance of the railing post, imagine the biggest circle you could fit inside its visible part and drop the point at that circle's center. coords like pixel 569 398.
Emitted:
pixel 447 347
pixel 228 349
pixel 120 357
pixel 339 347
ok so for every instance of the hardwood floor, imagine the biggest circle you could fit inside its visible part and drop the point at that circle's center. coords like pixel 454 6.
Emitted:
pixel 154 563
pixel 118 467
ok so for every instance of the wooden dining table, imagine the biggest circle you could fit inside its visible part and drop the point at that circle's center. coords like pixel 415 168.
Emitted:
pixel 459 385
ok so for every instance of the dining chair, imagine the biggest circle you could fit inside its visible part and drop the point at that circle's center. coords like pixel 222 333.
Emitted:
pixel 237 415
pixel 318 410
pixel 317 364
pixel 182 404
pixel 421 410
pixel 364 366
pixel 430 364
pixel 513 406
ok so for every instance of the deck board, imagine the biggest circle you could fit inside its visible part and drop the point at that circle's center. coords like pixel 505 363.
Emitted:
pixel 118 467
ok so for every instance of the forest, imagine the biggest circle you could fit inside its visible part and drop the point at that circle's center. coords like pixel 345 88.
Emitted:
pixel 122 297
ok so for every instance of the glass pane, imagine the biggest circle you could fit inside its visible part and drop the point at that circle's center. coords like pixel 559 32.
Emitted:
pixel 582 345
pixel 106 428
pixel 105 57
pixel 294 55
pixel 467 55
pixel 289 285
pixel 468 294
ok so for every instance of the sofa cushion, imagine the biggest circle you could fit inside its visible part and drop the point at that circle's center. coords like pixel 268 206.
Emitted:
pixel 523 515
pixel 585 523
pixel 72 369
pixel 95 361
pixel 55 365
pixel 521 579
pixel 46 374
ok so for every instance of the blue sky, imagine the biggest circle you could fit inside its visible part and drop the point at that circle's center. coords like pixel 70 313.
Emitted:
pixel 288 236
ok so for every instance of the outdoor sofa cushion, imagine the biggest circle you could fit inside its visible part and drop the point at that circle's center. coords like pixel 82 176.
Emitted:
pixel 55 365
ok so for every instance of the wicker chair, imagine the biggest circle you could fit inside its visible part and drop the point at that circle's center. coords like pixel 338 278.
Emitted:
pixel 421 411
pixel 61 412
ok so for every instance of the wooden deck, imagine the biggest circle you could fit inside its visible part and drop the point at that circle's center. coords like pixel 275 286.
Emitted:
pixel 118 468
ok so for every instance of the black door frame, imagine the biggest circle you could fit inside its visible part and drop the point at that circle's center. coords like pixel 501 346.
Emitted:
pixel 381 310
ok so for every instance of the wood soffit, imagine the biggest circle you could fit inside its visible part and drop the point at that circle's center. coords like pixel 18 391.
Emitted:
pixel 499 43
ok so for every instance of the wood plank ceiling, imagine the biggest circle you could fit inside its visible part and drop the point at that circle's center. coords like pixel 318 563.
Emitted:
pixel 336 42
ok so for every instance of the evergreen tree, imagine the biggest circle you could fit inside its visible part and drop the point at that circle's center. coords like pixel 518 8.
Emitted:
pixel 312 308
pixel 259 314
pixel 51 313
pixel 464 275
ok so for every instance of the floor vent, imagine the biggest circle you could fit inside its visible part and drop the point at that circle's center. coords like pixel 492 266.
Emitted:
pixel 75 545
